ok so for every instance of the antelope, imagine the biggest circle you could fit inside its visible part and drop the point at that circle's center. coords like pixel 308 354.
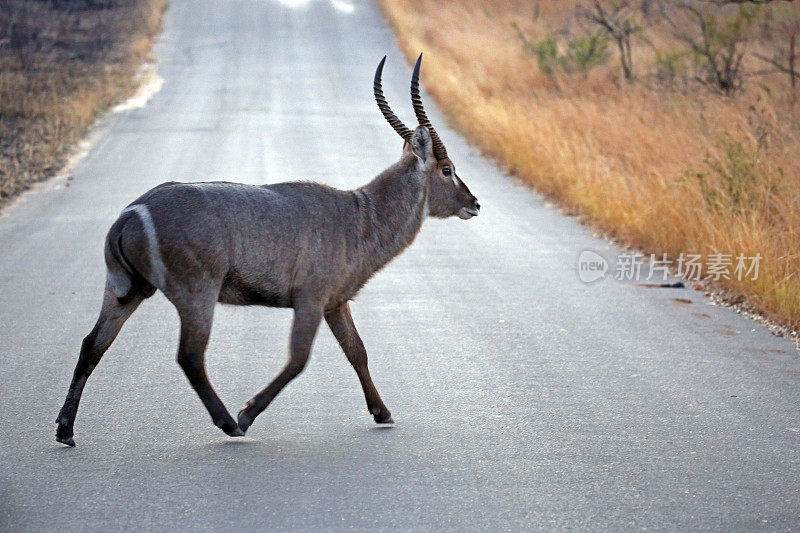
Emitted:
pixel 299 245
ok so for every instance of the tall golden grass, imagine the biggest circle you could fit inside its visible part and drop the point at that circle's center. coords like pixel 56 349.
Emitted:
pixel 645 163
pixel 61 64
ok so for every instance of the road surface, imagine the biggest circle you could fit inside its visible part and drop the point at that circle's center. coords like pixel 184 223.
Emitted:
pixel 524 398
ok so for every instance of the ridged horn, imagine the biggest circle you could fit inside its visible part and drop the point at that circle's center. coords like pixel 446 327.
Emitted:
pixel 439 150
pixel 383 105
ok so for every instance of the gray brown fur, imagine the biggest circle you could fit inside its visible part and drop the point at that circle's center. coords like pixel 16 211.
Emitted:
pixel 298 245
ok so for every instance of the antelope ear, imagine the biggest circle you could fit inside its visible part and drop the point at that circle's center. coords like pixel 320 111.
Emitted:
pixel 421 145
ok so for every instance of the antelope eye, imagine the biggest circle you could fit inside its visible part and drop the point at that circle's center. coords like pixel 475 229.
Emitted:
pixel 446 171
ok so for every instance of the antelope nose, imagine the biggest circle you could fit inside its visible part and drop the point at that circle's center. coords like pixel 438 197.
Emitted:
pixel 477 206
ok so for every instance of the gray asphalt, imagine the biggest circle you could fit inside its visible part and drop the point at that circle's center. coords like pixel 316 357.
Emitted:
pixel 524 398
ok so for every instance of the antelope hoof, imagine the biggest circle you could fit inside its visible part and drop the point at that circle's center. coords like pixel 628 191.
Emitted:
pixel 64 436
pixel 230 428
pixel 244 421
pixel 382 416
pixel 69 441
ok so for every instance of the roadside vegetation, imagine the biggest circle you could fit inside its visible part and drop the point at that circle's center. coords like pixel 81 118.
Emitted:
pixel 62 62
pixel 672 126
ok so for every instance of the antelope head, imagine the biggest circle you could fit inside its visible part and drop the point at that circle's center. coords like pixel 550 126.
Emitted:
pixel 447 194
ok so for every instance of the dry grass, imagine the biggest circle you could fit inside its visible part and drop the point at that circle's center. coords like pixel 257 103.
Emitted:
pixel 626 156
pixel 63 62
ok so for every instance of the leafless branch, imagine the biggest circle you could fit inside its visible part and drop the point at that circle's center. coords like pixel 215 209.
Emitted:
pixel 616 19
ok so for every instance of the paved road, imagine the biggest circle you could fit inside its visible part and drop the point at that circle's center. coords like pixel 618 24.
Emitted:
pixel 524 399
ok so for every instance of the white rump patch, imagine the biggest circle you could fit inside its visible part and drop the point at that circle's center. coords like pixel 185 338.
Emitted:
pixel 157 268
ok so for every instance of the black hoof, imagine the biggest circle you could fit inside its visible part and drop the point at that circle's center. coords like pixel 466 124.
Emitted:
pixel 64 435
pixel 382 416
pixel 69 441
pixel 230 428
pixel 244 421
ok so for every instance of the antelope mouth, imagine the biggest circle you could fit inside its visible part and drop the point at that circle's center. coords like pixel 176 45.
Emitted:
pixel 465 213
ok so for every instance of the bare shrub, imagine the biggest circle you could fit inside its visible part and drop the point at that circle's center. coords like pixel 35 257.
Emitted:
pixel 717 37
pixel 618 19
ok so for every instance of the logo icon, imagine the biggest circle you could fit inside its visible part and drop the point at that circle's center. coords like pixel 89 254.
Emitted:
pixel 591 266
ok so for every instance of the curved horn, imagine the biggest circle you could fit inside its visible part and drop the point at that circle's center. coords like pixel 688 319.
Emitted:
pixel 383 105
pixel 438 147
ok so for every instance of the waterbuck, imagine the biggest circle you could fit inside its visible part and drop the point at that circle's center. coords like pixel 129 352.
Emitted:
pixel 298 245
